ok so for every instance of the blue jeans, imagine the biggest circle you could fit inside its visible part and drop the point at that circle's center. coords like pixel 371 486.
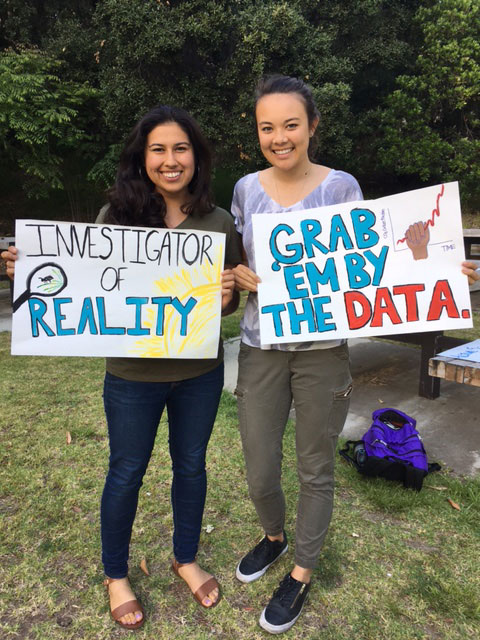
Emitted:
pixel 133 411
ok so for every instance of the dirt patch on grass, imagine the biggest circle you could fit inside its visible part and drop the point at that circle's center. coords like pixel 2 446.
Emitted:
pixel 241 602
pixel 378 378
pixel 376 516
pixel 24 626
pixel 8 506
pixel 421 546
pixel 432 633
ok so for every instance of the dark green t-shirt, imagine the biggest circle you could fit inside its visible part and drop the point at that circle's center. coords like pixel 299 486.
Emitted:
pixel 174 369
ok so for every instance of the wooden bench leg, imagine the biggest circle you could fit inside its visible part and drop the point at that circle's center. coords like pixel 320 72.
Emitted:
pixel 429 387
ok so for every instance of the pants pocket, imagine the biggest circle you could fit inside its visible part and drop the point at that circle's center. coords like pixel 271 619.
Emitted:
pixel 242 411
pixel 339 410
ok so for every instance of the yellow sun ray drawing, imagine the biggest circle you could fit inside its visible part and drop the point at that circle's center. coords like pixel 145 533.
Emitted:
pixel 202 283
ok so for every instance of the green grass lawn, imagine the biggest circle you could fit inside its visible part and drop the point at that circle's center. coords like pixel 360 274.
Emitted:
pixel 396 565
pixel 231 323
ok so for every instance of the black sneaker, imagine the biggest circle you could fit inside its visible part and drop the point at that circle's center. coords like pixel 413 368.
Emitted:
pixel 286 605
pixel 256 562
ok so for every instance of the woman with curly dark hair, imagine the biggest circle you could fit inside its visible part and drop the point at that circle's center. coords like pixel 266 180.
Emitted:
pixel 163 180
pixel 142 193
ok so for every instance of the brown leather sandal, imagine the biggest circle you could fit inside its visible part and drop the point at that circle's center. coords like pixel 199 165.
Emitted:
pixel 203 590
pixel 127 607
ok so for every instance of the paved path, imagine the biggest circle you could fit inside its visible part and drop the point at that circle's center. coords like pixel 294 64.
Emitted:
pixel 5 310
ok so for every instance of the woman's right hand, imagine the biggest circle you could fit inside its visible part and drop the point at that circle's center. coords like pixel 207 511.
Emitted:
pixel 9 256
pixel 469 268
pixel 245 278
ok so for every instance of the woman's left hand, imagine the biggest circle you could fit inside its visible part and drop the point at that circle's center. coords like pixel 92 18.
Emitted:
pixel 228 286
pixel 469 269
pixel 9 256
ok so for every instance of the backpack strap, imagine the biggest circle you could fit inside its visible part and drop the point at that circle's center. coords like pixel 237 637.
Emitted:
pixel 413 477
pixel 345 452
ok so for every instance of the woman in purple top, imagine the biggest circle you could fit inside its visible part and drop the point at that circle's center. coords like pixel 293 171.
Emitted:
pixel 315 375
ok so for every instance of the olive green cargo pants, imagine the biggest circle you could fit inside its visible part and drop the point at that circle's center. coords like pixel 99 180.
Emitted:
pixel 319 382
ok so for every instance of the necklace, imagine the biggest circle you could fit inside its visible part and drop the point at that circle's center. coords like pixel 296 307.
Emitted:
pixel 296 194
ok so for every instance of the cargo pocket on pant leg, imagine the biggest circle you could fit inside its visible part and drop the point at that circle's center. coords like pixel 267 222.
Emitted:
pixel 339 409
pixel 241 410
pixel 240 390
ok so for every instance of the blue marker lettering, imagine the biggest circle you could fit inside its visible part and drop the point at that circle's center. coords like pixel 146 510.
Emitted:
pixel 87 315
pixel 316 277
pixel 38 309
pixel 378 264
pixel 357 276
pixel 321 315
pixel 184 311
pixel 296 249
pixel 104 330
pixel 275 310
pixel 310 230
pixel 57 303
pixel 293 282
pixel 337 231
pixel 161 304
pixel 363 221
pixel 138 330
pixel 296 318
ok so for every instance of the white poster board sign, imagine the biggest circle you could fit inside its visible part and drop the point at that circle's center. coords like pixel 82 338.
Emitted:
pixel 110 290
pixel 367 268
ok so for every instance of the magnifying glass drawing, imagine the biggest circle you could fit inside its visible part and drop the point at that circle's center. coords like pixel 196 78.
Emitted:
pixel 46 280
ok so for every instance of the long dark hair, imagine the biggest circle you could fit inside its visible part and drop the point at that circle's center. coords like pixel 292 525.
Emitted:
pixel 133 199
pixel 277 83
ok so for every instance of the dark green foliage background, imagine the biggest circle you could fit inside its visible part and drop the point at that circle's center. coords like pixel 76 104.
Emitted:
pixel 397 84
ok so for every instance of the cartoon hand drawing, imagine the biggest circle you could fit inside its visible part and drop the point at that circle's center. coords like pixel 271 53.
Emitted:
pixel 418 236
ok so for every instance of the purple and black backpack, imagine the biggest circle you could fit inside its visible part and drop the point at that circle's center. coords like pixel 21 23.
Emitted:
pixel 392 448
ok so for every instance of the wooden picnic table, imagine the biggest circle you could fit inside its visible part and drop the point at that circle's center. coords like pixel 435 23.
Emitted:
pixel 471 238
pixel 430 343
pixel 455 369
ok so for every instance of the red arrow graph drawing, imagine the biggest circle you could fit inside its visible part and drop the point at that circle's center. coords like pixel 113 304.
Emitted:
pixel 435 214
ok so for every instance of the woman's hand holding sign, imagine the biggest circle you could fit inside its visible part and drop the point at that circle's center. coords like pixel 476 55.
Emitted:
pixel 470 269
pixel 9 256
pixel 229 295
pixel 245 278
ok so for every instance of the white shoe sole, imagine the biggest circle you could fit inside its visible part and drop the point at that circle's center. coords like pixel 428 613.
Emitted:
pixel 254 576
pixel 281 628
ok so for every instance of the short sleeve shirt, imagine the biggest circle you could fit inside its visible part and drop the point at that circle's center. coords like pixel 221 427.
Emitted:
pixel 249 197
